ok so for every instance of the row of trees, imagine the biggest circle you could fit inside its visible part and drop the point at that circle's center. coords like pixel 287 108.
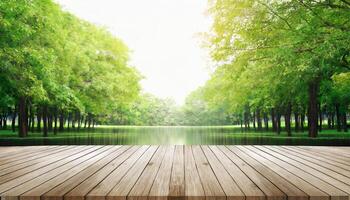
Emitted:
pixel 281 58
pixel 59 71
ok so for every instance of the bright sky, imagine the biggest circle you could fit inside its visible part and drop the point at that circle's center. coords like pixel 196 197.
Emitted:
pixel 162 35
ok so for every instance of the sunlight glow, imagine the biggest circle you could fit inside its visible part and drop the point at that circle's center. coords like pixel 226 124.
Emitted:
pixel 162 37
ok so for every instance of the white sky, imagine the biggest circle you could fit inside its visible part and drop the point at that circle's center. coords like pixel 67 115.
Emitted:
pixel 162 37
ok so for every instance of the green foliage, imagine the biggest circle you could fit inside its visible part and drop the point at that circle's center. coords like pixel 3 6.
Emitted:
pixel 53 58
pixel 269 52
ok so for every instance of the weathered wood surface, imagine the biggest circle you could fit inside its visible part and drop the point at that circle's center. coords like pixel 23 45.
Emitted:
pixel 174 172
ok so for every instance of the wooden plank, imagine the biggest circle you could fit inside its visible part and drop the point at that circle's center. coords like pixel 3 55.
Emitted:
pixel 250 190
pixel 175 173
pixel 90 175
pixel 12 150
pixel 230 187
pixel 269 189
pixel 328 155
pixel 80 161
pixel 23 154
pixel 122 189
pixel 13 182
pixel 313 192
pixel 177 180
pixel 30 160
pixel 193 185
pixel 211 186
pixel 320 172
pixel 83 188
pixel 161 184
pixel 309 157
pixel 17 161
pixel 63 178
pixel 142 187
pixel 104 187
pixel 13 172
pixel 334 192
pixel 311 154
pixel 284 185
pixel 341 152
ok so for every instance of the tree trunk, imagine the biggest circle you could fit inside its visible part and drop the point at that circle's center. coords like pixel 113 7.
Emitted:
pixel 273 118
pixel 22 118
pixel 14 114
pixel 30 118
pixel 27 116
pixel 38 117
pixel 254 121
pixel 266 121
pixel 337 112
pixel 5 120
pixel 296 121
pixel 55 121
pixel 287 120
pixel 78 120
pixel 278 123
pixel 68 121
pixel 345 124
pixel 329 120
pixel 1 121
pixel 258 118
pixel 45 120
pixel 33 122
pixel 320 117
pixel 74 117
pixel 313 109
pixel 302 122
pixel 50 120
pixel 89 122
pixel 85 122
pixel 61 128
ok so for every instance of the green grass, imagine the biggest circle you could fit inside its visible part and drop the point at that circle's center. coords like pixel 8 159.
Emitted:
pixel 219 135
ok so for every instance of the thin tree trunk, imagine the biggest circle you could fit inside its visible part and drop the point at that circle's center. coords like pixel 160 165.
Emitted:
pixel 68 121
pixel 85 122
pixel 345 124
pixel 22 118
pixel 55 121
pixel 38 117
pixel 320 117
pixel 254 121
pixel 45 120
pixel 30 118
pixel 296 121
pixel 287 120
pixel 302 122
pixel 278 123
pixel 266 121
pixel 337 112
pixel 50 120
pixel 258 118
pixel 1 121
pixel 78 120
pixel 89 122
pixel 329 120
pixel 74 117
pixel 14 114
pixel 6 114
pixel 313 110
pixel 273 119
pixel 61 128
